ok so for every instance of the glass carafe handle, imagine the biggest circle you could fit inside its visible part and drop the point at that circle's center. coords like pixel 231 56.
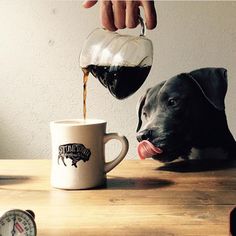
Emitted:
pixel 143 26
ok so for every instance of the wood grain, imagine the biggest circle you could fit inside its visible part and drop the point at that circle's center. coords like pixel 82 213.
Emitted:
pixel 141 198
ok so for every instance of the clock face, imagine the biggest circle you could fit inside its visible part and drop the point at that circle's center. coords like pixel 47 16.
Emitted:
pixel 17 223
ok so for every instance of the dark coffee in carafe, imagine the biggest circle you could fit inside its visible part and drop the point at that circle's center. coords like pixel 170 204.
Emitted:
pixel 122 81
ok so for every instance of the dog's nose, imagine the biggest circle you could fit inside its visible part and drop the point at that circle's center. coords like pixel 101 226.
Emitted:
pixel 144 135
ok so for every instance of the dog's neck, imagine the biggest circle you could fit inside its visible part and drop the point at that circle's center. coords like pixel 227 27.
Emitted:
pixel 208 153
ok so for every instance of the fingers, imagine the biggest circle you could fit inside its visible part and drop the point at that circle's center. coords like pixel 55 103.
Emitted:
pixel 123 14
pixel 89 3
pixel 116 14
pixel 132 12
pixel 150 13
pixel 106 15
pixel 119 14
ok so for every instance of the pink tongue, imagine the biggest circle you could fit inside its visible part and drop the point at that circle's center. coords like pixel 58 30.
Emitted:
pixel 147 149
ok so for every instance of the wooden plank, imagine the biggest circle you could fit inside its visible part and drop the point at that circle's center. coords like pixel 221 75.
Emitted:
pixel 150 197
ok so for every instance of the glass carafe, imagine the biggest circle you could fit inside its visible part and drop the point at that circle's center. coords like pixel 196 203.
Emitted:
pixel 120 62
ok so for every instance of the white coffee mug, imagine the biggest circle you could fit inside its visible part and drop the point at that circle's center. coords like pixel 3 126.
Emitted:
pixel 78 155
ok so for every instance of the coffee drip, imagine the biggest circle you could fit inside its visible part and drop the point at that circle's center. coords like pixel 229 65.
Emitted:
pixel 85 80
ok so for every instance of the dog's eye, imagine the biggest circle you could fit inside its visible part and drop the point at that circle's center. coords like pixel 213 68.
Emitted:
pixel 145 114
pixel 172 102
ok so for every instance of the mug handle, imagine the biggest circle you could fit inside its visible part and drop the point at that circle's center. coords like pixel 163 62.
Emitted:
pixel 125 147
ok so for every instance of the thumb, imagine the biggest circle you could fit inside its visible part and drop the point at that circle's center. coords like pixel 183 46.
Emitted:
pixel 89 3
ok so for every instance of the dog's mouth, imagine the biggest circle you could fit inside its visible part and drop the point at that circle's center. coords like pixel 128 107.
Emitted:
pixel 147 149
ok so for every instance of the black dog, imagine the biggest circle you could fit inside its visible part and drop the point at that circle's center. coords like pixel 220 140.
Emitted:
pixel 186 118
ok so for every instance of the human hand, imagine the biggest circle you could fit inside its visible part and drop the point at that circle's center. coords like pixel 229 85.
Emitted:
pixel 119 14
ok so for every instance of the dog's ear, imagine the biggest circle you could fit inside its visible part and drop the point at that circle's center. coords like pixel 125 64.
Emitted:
pixel 213 84
pixel 139 109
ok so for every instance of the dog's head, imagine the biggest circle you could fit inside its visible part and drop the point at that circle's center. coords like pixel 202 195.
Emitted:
pixel 178 111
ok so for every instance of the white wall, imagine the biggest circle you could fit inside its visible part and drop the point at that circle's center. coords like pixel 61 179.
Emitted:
pixel 40 77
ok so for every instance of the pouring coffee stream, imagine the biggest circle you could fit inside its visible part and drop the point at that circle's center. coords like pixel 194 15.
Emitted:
pixel 121 63
pixel 85 80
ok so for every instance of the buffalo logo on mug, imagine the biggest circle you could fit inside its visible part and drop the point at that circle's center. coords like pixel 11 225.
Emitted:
pixel 75 152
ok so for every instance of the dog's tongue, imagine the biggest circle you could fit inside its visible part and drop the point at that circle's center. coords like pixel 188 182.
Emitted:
pixel 147 149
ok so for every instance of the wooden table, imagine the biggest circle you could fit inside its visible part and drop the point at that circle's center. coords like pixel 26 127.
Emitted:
pixel 141 198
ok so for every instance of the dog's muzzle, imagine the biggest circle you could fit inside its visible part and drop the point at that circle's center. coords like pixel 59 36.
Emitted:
pixel 146 134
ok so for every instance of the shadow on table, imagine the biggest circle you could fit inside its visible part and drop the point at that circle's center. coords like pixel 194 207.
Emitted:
pixel 12 179
pixel 137 183
pixel 197 165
